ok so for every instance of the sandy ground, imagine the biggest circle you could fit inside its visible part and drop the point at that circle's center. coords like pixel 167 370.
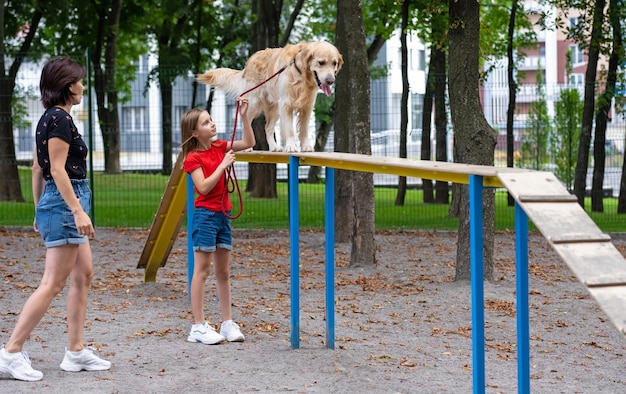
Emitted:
pixel 403 326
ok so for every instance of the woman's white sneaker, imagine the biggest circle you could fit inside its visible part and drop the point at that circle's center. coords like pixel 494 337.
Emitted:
pixel 18 366
pixel 230 330
pixel 85 360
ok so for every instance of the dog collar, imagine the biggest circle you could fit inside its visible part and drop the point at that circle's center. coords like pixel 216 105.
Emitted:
pixel 296 66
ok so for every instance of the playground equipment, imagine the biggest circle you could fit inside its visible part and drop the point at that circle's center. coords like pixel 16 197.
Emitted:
pixel 166 223
pixel 586 250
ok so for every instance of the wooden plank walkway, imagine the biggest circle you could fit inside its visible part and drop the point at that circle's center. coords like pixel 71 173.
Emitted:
pixel 587 251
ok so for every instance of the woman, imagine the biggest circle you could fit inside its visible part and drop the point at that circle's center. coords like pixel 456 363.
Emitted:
pixel 62 200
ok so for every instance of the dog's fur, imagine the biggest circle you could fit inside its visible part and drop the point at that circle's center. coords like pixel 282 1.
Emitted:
pixel 309 66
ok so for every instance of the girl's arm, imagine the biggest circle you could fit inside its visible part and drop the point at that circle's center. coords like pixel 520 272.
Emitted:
pixel 58 150
pixel 248 139
pixel 205 185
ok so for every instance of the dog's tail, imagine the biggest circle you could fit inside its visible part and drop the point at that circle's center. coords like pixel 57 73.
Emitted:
pixel 226 79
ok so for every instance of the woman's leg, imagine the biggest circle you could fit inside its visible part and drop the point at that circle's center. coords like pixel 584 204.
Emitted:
pixel 59 263
pixel 201 270
pixel 222 278
pixel 77 297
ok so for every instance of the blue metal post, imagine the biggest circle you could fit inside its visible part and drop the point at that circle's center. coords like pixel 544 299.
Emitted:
pixel 190 211
pixel 294 246
pixel 330 257
pixel 521 272
pixel 477 277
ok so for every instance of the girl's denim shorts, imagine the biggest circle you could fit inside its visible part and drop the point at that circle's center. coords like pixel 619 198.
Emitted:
pixel 211 230
pixel 55 219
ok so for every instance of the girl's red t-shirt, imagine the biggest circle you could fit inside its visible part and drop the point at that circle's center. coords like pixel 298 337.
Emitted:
pixel 209 160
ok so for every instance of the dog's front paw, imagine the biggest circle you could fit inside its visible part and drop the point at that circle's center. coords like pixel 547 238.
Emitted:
pixel 291 148
pixel 306 147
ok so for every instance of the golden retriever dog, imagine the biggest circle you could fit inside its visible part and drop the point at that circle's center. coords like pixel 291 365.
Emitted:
pixel 309 66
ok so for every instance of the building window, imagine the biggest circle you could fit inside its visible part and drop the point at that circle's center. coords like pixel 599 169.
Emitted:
pixel 134 119
pixel 576 79
pixel 578 55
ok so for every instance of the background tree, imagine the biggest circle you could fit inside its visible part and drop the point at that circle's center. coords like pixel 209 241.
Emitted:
pixel 171 26
pixel 404 99
pixel 265 34
pixel 604 106
pixel 535 139
pixel 104 62
pixel 380 19
pixel 567 121
pixel 352 132
pixel 593 53
pixel 17 33
pixel 114 51
pixel 474 139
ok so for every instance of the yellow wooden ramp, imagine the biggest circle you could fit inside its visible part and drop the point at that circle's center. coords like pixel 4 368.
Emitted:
pixel 587 251
pixel 166 223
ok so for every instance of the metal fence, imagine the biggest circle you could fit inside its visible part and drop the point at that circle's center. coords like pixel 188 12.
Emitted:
pixel 141 146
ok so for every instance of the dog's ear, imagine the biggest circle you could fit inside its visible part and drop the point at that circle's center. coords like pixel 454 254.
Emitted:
pixel 339 62
pixel 304 57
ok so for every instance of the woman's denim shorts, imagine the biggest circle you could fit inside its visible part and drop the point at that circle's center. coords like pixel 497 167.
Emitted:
pixel 55 219
pixel 211 230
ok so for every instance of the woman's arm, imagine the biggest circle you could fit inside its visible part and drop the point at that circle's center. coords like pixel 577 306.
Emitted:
pixel 58 150
pixel 37 179
pixel 37 184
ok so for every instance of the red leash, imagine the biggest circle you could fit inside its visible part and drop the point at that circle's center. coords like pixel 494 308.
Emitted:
pixel 230 181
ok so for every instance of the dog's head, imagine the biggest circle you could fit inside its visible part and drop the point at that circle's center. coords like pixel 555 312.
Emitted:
pixel 321 59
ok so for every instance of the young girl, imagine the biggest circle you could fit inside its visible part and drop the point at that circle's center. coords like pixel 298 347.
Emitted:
pixel 62 199
pixel 206 159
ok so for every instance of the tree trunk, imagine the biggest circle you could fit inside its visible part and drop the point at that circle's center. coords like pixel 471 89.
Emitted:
pixel 10 187
pixel 320 143
pixel 353 103
pixel 262 177
pixel 404 101
pixel 604 106
pixel 425 153
pixel 580 180
pixel 474 140
pixel 510 140
pixel 166 117
pixel 442 189
pixel 106 92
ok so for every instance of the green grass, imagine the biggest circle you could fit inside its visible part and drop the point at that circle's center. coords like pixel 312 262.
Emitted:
pixel 131 200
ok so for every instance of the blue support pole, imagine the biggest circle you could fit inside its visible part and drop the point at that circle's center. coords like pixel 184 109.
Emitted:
pixel 294 241
pixel 190 211
pixel 330 256
pixel 521 272
pixel 477 277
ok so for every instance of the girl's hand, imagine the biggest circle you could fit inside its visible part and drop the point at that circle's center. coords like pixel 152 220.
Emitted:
pixel 243 106
pixel 229 159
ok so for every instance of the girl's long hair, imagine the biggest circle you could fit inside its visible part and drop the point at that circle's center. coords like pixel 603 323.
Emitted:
pixel 188 124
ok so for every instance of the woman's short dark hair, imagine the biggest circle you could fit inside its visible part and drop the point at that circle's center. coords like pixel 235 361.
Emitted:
pixel 56 77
